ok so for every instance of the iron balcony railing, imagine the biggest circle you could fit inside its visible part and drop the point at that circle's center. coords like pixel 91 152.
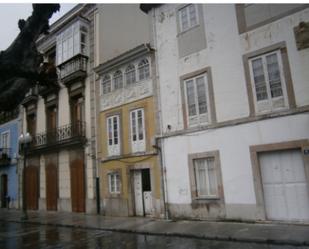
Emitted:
pixel 5 156
pixel 60 135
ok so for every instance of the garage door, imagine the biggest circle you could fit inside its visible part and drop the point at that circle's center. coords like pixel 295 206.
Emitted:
pixel 285 187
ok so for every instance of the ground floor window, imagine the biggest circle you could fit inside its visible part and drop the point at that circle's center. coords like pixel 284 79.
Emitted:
pixel 114 182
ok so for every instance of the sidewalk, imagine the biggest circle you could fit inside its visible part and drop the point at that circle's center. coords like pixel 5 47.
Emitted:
pixel 243 232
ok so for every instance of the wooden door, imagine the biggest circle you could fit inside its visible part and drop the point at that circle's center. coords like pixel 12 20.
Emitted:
pixel 77 185
pixel 138 193
pixel 32 190
pixel 4 190
pixel 51 187
pixel 285 186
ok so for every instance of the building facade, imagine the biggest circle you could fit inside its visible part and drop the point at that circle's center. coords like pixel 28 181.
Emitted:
pixel 9 130
pixel 130 173
pixel 233 99
pixel 60 163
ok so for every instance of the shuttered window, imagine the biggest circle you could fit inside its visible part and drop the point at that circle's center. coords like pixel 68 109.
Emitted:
pixel 137 130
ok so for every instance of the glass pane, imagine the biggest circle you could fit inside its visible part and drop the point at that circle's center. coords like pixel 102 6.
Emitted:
pixel 110 132
pixel 274 75
pixel 133 126
pixel 117 183
pixel 140 125
pixel 193 17
pixel 112 183
pixel 259 79
pixel 115 130
pixel 212 177
pixel 200 176
pixel 118 82
pixel 184 19
pixel 190 98
pixel 201 95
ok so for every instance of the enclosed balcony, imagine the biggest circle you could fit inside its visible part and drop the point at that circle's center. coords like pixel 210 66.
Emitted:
pixel 5 156
pixel 63 136
pixel 74 69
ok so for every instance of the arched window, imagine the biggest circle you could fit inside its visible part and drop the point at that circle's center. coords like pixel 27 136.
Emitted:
pixel 130 75
pixel 118 80
pixel 106 84
pixel 143 69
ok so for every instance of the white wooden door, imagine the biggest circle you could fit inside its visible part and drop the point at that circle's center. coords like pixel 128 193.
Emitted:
pixel 148 202
pixel 138 193
pixel 285 187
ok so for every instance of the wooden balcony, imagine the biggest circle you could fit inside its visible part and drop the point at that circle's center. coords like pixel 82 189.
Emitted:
pixel 74 69
pixel 5 156
pixel 63 136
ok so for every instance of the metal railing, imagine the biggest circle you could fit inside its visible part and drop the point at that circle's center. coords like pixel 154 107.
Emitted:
pixel 77 63
pixel 62 134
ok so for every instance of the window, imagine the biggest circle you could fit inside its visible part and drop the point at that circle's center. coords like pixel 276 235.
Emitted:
pixel 113 138
pixel 137 130
pixel 114 183
pixel 130 75
pixel 143 69
pixel 5 143
pixel 196 100
pixel 188 17
pixel 106 84
pixel 71 41
pixel 205 177
pixel 118 80
pixel 268 82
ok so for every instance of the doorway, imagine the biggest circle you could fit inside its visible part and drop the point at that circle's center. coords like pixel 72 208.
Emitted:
pixel 4 190
pixel 142 192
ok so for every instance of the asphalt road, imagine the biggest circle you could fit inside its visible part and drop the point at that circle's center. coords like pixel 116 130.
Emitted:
pixel 19 235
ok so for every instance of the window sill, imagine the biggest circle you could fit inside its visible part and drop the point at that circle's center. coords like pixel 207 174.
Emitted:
pixel 202 200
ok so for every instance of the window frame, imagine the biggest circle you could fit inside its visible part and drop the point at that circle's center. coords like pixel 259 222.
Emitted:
pixel 113 149
pixel 130 69
pixel 190 26
pixel 103 81
pixel 219 197
pixel 141 66
pixel 197 116
pixel 138 145
pixel 269 101
pixel 112 177
pixel 117 74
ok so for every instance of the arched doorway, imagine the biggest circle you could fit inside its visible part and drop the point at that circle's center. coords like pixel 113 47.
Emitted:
pixel 77 185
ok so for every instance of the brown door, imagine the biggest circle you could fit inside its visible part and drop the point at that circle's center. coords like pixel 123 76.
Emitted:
pixel 77 186
pixel 32 190
pixel 31 124
pixel 4 190
pixel 51 187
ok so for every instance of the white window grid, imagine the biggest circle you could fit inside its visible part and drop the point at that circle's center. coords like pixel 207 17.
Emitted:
pixel 205 174
pixel 106 84
pixel 264 90
pixel 5 140
pixel 197 100
pixel 114 183
pixel 137 121
pixel 113 135
pixel 188 17
pixel 127 76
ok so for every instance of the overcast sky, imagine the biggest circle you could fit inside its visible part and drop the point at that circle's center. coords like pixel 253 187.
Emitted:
pixel 11 13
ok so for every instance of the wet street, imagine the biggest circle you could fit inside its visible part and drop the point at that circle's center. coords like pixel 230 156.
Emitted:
pixel 16 235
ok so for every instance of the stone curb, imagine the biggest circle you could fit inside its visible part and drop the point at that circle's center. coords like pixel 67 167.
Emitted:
pixel 173 234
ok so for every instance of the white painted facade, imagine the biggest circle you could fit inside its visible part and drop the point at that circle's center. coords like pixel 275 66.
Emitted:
pixel 235 131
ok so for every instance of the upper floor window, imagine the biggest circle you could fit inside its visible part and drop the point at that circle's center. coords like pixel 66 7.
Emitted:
pixel 188 17
pixel 130 74
pixel 71 41
pixel 113 137
pixel 118 80
pixel 268 81
pixel 196 100
pixel 106 84
pixel 5 140
pixel 137 130
pixel 143 69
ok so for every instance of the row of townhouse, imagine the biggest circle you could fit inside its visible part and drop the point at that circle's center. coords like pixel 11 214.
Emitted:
pixel 175 111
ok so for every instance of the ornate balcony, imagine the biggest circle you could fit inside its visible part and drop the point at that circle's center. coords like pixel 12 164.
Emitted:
pixel 63 136
pixel 5 156
pixel 31 96
pixel 73 69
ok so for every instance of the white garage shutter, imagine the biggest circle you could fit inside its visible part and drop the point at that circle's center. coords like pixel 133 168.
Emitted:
pixel 285 187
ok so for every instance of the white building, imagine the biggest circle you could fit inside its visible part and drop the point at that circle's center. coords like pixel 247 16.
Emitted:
pixel 233 100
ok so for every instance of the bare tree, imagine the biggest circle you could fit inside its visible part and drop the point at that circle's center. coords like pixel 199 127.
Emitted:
pixel 21 63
